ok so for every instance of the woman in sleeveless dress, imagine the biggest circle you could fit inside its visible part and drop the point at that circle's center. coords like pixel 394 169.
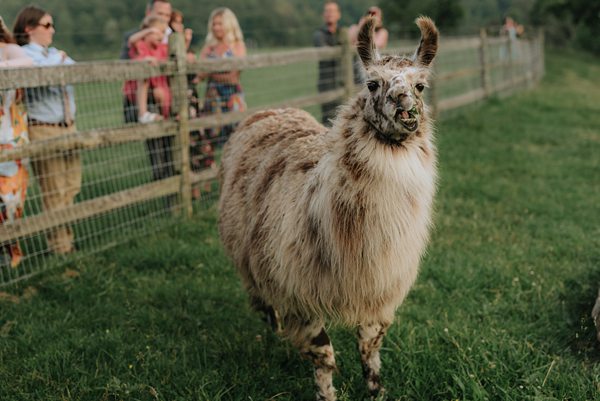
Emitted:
pixel 223 90
pixel 13 133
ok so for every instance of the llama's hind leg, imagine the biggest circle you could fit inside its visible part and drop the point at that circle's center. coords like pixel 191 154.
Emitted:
pixel 314 344
pixel 370 338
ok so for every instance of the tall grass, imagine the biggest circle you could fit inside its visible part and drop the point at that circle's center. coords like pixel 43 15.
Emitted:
pixel 499 312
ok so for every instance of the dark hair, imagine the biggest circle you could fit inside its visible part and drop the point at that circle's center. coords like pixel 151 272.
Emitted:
pixel 29 16
pixel 174 14
pixel 152 2
pixel 5 36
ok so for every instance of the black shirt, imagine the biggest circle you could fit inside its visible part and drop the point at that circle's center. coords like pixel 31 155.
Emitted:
pixel 329 70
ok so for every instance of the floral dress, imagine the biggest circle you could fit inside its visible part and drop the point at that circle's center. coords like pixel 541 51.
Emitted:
pixel 222 96
pixel 13 174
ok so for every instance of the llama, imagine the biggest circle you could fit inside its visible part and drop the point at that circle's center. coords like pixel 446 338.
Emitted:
pixel 329 225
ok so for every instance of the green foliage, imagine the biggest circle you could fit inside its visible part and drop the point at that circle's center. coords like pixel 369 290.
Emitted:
pixel 500 310
pixel 94 28
pixel 568 22
pixel 400 16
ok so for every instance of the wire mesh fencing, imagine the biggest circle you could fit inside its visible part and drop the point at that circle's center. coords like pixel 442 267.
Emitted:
pixel 113 167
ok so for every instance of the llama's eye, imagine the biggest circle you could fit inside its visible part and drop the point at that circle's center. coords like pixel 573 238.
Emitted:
pixel 420 87
pixel 372 85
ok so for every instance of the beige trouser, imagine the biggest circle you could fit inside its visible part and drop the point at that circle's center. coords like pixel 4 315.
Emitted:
pixel 59 177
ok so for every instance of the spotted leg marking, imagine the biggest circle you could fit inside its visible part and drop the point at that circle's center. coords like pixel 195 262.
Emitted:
pixel 314 344
pixel 370 338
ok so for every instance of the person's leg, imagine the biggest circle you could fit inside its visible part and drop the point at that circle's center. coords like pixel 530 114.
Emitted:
pixel 162 95
pixel 130 111
pixel 49 171
pixel 142 97
pixel 72 179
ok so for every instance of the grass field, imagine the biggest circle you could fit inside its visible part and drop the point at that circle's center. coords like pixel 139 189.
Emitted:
pixel 499 312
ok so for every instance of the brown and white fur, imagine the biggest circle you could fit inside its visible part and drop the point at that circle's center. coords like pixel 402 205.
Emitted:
pixel 330 225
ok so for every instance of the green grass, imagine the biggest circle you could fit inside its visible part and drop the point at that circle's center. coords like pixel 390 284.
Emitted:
pixel 499 312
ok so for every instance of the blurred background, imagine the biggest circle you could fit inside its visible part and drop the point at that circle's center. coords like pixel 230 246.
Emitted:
pixel 93 29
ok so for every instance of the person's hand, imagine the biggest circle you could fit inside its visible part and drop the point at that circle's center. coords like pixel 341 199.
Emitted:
pixel 152 60
pixel 63 55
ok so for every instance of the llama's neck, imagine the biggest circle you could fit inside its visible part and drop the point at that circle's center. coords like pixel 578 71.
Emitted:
pixel 366 192
pixel 359 153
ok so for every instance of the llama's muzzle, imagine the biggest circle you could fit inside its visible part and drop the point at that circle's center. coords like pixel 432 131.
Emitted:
pixel 408 118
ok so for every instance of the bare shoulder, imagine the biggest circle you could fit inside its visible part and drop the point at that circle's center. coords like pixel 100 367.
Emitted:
pixel 239 49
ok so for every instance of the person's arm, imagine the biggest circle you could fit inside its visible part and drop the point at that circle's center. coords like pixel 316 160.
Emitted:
pixel 187 35
pixel 381 38
pixel 203 55
pixel 139 35
pixel 15 56
pixel 353 34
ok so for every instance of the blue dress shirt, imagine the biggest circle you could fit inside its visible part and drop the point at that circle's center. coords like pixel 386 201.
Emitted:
pixel 47 104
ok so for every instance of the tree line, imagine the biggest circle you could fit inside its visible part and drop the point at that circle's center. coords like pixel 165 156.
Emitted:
pixel 93 29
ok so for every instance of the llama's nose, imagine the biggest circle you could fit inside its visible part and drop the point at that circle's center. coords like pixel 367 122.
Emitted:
pixel 400 100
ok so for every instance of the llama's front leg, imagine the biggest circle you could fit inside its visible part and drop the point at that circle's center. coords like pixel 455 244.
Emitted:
pixel 314 344
pixel 370 338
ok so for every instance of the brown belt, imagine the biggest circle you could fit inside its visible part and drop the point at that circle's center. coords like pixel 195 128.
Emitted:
pixel 63 124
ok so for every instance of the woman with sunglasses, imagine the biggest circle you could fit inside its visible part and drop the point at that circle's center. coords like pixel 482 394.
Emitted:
pixel 13 134
pixel 51 112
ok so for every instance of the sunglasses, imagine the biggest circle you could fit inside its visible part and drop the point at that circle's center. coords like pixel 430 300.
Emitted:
pixel 47 25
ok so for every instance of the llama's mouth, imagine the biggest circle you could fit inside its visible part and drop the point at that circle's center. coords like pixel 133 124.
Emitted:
pixel 408 118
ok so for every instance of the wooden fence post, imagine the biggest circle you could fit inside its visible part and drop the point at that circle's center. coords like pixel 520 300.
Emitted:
pixel 347 64
pixel 485 69
pixel 180 106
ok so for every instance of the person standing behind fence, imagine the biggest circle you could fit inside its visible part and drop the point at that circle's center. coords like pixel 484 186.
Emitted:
pixel 329 70
pixel 223 89
pixel 13 133
pixel 158 8
pixel 51 112
pixel 160 150
pixel 147 44
pixel 201 149
pixel 380 38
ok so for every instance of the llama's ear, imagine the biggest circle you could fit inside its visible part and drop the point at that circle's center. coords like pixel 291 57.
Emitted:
pixel 366 46
pixel 429 41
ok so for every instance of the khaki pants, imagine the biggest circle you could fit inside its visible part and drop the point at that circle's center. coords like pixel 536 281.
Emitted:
pixel 59 177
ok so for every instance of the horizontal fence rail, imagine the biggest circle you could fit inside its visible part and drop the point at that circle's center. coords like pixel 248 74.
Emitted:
pixel 134 177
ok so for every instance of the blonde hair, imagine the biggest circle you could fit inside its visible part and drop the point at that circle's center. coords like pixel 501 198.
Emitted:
pixel 152 21
pixel 233 32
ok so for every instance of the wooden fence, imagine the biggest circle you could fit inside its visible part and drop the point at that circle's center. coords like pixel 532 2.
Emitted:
pixel 466 70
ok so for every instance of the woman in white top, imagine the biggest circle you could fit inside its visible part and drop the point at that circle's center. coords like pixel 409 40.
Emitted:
pixel 13 133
